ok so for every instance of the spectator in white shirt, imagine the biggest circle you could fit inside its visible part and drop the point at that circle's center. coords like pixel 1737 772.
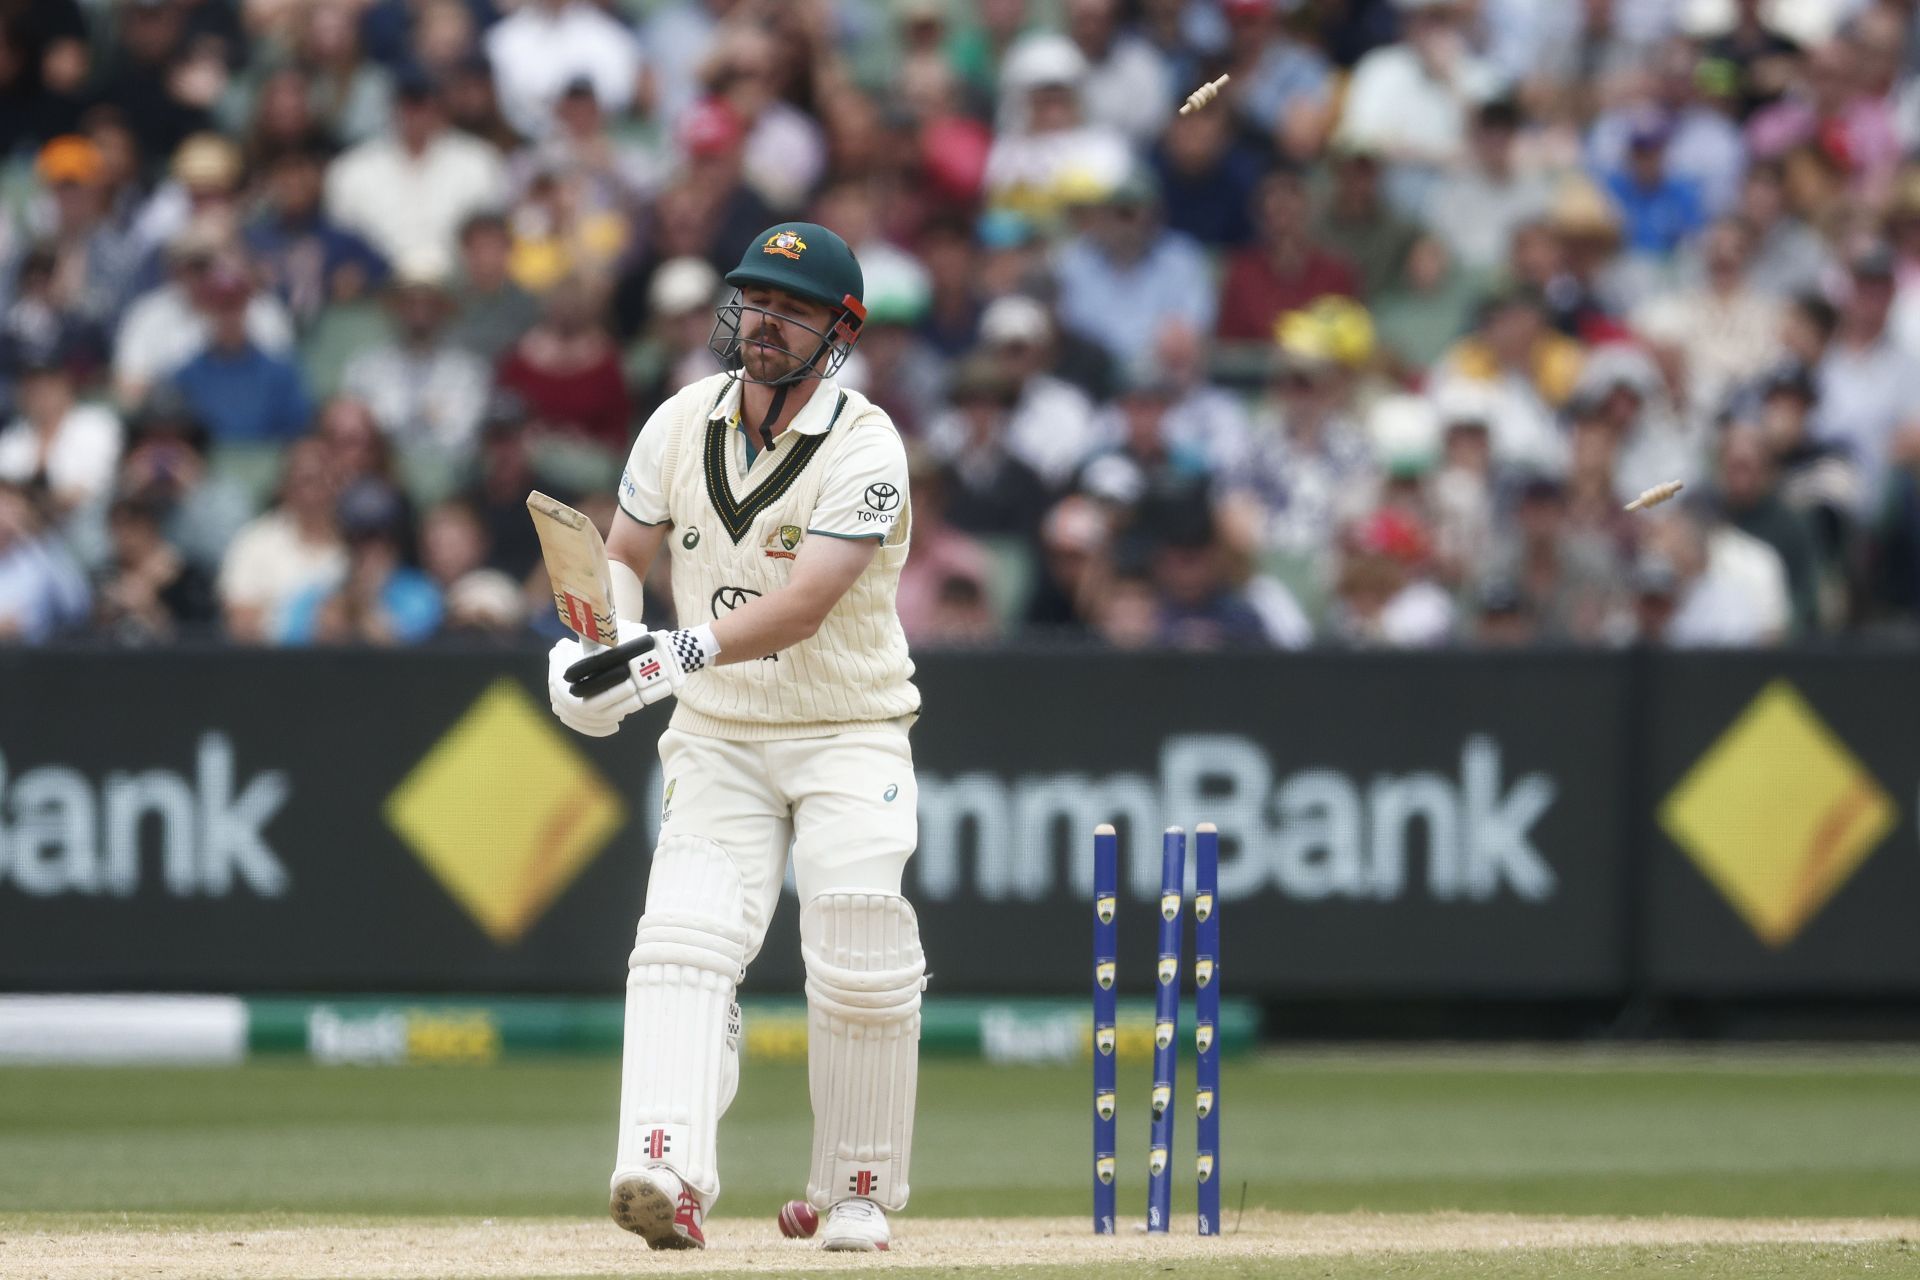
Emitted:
pixel 1411 100
pixel 409 191
pixel 1128 85
pixel 546 44
pixel 1051 428
pixel 67 448
pixel 279 555
pixel 1046 155
pixel 425 390
pixel 167 327
pixel 1869 387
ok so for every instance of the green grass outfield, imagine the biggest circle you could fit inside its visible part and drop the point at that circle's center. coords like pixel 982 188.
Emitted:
pixel 1725 1134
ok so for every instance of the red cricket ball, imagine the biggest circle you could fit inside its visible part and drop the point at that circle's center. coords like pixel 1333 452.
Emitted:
pixel 798 1220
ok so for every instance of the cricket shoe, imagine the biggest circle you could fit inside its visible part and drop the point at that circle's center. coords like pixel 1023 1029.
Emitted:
pixel 855 1226
pixel 659 1208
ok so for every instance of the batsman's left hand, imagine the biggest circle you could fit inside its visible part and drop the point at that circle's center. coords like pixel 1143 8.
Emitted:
pixel 645 667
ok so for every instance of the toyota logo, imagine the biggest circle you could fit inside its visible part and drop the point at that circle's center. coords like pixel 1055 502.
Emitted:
pixel 882 497
pixel 727 599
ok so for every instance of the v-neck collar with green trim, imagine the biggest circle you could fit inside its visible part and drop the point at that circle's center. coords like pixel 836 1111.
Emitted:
pixel 802 439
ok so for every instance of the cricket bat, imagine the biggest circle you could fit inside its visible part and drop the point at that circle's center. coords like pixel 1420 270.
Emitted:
pixel 576 561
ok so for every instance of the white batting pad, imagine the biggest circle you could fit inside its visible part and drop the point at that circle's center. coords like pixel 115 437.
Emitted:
pixel 680 1064
pixel 865 972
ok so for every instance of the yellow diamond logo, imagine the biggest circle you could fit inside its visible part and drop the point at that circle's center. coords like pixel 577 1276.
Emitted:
pixel 1778 814
pixel 505 811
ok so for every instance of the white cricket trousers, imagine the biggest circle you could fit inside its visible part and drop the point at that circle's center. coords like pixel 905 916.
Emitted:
pixel 846 805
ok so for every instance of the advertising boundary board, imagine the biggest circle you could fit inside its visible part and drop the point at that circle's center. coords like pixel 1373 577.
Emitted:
pixel 1451 826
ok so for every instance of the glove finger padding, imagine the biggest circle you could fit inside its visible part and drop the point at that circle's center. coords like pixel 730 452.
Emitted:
pixel 607 661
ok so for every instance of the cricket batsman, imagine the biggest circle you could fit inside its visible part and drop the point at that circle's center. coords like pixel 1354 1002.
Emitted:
pixel 781 497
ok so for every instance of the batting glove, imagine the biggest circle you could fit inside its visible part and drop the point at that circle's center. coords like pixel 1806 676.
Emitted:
pixel 573 712
pixel 645 667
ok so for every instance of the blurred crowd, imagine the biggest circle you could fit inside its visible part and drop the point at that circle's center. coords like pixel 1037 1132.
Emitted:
pixel 299 298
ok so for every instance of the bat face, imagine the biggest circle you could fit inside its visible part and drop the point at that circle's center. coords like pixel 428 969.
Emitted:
pixel 576 561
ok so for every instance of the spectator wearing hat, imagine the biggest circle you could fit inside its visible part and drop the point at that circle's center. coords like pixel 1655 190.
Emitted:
pixel 291 547
pixel 490 309
pixel 1047 155
pixel 567 369
pixel 1479 203
pixel 1384 596
pixel 308 261
pixel 1282 88
pixel 1050 424
pixel 425 391
pixel 1284 269
pixel 1413 98
pixel 1207 174
pixel 673 350
pixel 1869 387
pixel 42 591
pixel 1659 210
pixel 409 190
pixel 894 367
pixel 1128 277
pixel 57 445
pixel 141 78
pixel 546 44
pixel 1128 85
pixel 1356 222
pixel 169 325
pixel 1574 261
pixel 95 256
pixel 1310 468
pixel 377 600
pixel 149 592
pixel 991 491
pixel 245 395
pixel 203 186
pixel 1694 109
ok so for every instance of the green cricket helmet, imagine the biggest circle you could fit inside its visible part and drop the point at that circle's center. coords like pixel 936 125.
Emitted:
pixel 808 261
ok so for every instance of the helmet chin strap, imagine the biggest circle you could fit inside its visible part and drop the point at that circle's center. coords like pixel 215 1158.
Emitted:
pixel 782 385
